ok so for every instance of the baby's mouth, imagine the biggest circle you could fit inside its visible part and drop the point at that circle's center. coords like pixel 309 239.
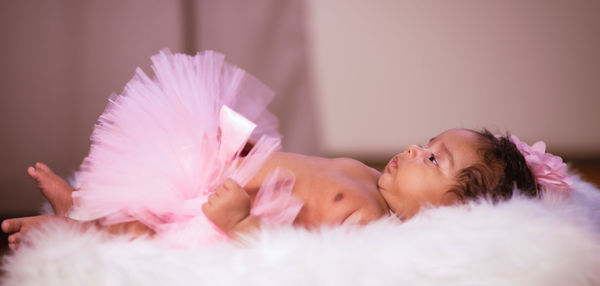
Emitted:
pixel 394 162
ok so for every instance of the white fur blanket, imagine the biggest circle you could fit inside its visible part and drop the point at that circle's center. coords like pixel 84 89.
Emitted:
pixel 553 241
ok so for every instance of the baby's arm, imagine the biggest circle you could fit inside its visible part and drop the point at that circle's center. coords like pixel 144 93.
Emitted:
pixel 229 208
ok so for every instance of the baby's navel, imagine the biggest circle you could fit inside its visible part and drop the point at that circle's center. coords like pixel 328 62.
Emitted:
pixel 338 197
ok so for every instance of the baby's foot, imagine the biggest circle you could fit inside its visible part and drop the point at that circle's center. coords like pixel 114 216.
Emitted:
pixel 56 190
pixel 17 227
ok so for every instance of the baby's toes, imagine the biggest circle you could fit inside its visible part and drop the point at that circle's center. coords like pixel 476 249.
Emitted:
pixel 33 173
pixel 39 174
pixel 12 225
pixel 14 238
pixel 44 174
pixel 44 168
pixel 5 225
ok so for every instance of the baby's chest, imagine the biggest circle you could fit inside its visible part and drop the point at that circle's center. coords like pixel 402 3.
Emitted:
pixel 332 201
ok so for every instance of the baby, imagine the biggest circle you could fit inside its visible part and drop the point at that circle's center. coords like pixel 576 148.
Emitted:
pixel 454 167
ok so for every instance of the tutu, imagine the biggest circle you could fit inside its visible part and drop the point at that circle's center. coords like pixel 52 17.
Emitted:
pixel 163 146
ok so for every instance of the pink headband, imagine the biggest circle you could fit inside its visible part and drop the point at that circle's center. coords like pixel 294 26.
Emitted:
pixel 548 170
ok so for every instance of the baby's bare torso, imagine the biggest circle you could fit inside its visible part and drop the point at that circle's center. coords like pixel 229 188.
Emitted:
pixel 333 190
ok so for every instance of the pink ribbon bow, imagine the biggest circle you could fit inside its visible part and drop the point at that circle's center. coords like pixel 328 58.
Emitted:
pixel 548 170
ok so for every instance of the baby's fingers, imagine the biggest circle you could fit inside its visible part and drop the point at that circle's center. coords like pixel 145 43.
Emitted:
pixel 206 208
pixel 213 199
pixel 209 209
pixel 230 184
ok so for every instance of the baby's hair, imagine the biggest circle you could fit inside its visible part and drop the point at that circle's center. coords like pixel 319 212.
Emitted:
pixel 501 170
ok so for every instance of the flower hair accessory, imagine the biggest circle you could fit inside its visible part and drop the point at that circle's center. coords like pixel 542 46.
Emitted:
pixel 548 170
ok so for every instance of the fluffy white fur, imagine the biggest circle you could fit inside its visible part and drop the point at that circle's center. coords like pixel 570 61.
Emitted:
pixel 553 241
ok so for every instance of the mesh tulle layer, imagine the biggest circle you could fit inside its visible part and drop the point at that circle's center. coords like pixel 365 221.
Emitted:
pixel 163 145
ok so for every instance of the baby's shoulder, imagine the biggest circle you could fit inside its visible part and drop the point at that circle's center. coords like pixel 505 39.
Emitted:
pixel 355 167
pixel 328 168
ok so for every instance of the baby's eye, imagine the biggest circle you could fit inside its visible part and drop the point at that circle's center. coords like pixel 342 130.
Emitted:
pixel 432 159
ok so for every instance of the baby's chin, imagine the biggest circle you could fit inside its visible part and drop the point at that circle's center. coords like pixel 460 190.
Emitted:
pixel 384 181
pixel 385 187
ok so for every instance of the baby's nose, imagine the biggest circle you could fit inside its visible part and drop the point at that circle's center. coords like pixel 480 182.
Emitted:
pixel 413 151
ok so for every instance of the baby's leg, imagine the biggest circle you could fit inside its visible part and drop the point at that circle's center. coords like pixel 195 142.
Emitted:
pixel 56 190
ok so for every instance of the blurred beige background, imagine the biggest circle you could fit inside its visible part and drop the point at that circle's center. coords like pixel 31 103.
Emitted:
pixel 353 78
pixel 391 73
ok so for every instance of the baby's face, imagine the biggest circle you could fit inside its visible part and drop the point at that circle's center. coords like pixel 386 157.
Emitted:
pixel 423 174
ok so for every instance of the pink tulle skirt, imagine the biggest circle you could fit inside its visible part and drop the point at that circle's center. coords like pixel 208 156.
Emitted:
pixel 165 144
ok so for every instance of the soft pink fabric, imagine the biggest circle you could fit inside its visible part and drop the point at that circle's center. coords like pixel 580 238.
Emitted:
pixel 277 208
pixel 167 142
pixel 549 170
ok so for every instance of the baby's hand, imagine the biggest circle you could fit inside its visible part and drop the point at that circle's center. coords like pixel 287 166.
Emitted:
pixel 228 206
